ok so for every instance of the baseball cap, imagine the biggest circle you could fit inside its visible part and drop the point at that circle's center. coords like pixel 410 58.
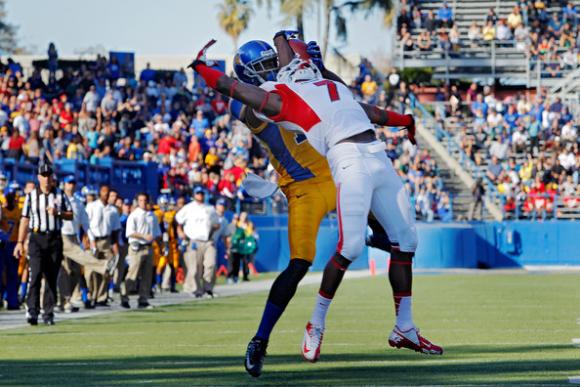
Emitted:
pixel 127 202
pixel 70 179
pixel 45 168
pixel 221 202
pixel 3 176
pixel 198 190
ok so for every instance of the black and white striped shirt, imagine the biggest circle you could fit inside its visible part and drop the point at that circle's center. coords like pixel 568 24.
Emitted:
pixel 35 209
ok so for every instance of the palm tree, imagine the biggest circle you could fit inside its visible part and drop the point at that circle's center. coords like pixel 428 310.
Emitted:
pixel 8 38
pixel 234 18
pixel 293 10
pixel 366 6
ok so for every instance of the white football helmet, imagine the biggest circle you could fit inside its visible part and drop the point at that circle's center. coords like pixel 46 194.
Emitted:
pixel 298 70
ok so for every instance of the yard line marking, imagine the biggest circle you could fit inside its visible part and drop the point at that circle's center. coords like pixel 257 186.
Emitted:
pixel 576 342
pixel 574 379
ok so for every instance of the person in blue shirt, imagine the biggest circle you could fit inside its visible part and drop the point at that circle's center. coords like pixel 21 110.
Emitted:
pixel 555 25
pixel 511 117
pixel 199 124
pixel 479 104
pixel 445 16
pixel 137 150
pixel 148 74
pixel 570 14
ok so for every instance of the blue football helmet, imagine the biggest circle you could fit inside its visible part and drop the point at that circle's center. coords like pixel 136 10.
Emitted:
pixel 256 62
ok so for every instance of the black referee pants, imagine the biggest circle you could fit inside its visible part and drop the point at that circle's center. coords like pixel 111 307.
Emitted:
pixel 45 254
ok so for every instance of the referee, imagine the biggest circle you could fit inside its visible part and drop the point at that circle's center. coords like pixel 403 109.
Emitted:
pixel 44 210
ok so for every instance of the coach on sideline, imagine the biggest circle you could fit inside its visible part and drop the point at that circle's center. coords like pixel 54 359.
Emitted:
pixel 142 229
pixel 74 255
pixel 198 221
pixel 44 210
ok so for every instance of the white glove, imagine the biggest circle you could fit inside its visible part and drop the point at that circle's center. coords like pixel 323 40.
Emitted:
pixel 258 187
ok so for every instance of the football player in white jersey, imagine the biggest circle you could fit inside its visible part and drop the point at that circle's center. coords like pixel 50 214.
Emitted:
pixel 340 129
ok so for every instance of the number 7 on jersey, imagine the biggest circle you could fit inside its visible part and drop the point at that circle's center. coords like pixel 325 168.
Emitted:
pixel 332 90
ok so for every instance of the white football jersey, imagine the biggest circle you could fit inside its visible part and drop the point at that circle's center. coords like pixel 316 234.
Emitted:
pixel 324 110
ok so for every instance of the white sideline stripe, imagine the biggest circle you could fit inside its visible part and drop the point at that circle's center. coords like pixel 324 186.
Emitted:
pixel 574 379
pixel 576 343
pixel 16 319
pixel 553 268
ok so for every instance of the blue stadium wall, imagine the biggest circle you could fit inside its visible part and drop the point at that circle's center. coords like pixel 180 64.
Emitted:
pixel 441 245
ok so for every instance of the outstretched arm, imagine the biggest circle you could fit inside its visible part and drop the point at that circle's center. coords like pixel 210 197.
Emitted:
pixel 285 52
pixel 383 117
pixel 261 100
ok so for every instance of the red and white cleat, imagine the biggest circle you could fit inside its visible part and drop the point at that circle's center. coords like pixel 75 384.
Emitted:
pixel 312 342
pixel 411 339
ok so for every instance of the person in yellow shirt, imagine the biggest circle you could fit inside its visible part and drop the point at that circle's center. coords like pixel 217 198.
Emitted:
pixel 9 224
pixel 211 158
pixel 369 87
pixel 489 32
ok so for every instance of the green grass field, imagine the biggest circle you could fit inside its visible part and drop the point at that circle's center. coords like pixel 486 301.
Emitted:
pixel 495 328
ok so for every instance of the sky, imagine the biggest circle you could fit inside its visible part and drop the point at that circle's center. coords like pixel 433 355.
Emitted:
pixel 168 27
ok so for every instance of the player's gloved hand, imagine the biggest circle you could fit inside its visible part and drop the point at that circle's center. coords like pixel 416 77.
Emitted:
pixel 236 108
pixel 288 34
pixel 313 50
pixel 201 55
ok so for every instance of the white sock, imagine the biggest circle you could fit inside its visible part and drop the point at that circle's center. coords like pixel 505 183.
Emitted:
pixel 404 313
pixel 320 310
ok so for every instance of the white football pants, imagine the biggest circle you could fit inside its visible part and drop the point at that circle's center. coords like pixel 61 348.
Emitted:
pixel 366 180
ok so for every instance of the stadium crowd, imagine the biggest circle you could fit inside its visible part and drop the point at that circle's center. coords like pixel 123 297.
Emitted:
pixel 528 145
pixel 553 38
pixel 93 114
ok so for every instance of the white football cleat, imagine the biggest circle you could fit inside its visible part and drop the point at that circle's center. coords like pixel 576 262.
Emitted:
pixel 312 342
pixel 411 339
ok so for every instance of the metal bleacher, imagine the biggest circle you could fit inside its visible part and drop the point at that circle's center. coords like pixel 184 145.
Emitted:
pixel 488 61
pixel 560 209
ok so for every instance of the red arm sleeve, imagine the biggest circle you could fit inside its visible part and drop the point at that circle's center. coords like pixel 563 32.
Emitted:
pixel 210 76
pixel 253 96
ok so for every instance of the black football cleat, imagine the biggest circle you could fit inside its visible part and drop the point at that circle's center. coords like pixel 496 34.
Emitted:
pixel 255 356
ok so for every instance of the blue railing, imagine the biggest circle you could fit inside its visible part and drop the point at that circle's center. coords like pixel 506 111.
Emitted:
pixel 452 147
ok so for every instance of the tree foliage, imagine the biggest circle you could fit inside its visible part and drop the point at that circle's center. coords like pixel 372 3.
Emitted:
pixel 234 17
pixel 8 38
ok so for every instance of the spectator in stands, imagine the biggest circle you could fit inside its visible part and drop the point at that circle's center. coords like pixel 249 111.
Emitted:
pixel 369 88
pixel 417 18
pixel 455 38
pixel 521 34
pixel 494 170
pixel 491 17
pixel 430 23
pixel 570 14
pixel 91 100
pixel 503 33
pixel 15 145
pixel 424 41
pixel 445 16
pixel 408 43
pixel 555 26
pixel 515 18
pixel 476 205
pixel 403 21
pixel 148 74
pixel 489 32
pixel 474 34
